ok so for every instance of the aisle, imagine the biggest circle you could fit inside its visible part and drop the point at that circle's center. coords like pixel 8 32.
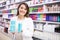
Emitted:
pixel 3 37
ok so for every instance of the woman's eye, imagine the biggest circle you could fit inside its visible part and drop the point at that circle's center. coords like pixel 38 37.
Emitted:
pixel 21 7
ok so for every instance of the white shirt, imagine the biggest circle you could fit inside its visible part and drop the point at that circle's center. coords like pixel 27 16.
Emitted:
pixel 27 26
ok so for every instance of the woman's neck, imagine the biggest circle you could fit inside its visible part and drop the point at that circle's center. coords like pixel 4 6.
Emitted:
pixel 21 17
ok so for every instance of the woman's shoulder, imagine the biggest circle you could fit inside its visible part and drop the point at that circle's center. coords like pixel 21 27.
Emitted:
pixel 29 19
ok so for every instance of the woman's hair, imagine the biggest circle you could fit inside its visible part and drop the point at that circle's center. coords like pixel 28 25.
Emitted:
pixel 27 13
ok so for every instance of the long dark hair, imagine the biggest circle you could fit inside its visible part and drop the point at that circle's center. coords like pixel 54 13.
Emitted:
pixel 27 13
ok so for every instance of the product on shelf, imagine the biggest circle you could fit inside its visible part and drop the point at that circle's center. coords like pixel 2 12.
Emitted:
pixel 55 18
pixel 5 16
pixel 2 7
pixel 30 9
pixel 17 1
pixel 38 16
pixel 41 17
pixel 16 5
pixel 33 16
pixel 4 11
pixel 36 1
pixel 14 11
pixel 39 26
pixel 3 24
pixel 46 1
pixel 35 9
pixel 41 1
pixel 10 16
pixel 8 2
pixel 40 9
pixel 44 17
pixel 50 27
pixel 53 8
pixel 8 11
pixel 59 18
pixel 12 1
pixel 50 17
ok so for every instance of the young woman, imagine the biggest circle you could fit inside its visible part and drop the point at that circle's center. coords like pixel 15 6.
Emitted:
pixel 23 25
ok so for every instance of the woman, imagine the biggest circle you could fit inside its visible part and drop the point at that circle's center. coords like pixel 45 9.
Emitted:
pixel 23 26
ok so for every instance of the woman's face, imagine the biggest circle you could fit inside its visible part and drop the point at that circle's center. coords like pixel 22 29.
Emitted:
pixel 22 10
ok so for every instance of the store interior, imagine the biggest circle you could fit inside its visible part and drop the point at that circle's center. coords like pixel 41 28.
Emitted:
pixel 44 13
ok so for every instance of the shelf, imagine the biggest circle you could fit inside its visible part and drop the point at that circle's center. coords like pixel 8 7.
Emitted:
pixel 44 3
pixel 2 6
pixel 47 22
pixel 44 12
pixel 3 1
pixel 16 3
pixel 8 9
pixel 42 35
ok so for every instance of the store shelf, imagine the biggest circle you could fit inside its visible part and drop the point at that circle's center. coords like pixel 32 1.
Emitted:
pixel 51 36
pixel 7 18
pixel 47 22
pixel 3 6
pixel 8 9
pixel 16 3
pixel 13 3
pixel 3 1
pixel 44 3
pixel 44 12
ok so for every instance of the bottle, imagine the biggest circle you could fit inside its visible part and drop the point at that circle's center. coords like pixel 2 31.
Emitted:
pixel 19 27
pixel 12 25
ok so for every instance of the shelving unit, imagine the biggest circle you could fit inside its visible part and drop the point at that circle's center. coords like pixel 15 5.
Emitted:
pixel 1 1
pixel 44 3
pixel 47 22
pixel 45 29
pixel 45 9
pixel 40 8
pixel 45 12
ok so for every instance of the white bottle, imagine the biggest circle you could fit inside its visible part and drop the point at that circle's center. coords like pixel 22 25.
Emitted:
pixel 45 28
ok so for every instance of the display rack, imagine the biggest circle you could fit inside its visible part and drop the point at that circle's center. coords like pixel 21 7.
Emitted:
pixel 40 9
pixel 45 8
pixel 44 12
pixel 44 3
pixel 43 26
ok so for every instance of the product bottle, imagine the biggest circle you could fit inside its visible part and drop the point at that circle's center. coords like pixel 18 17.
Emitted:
pixel 12 25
